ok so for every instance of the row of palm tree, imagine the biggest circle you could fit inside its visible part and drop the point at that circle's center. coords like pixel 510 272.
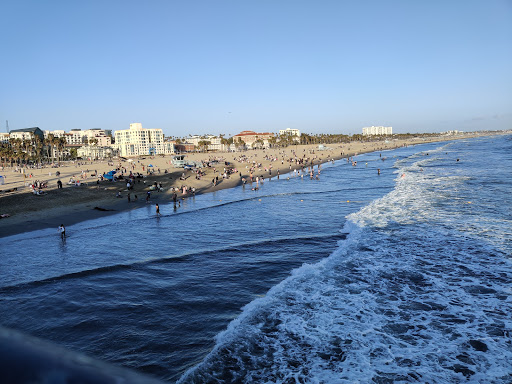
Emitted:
pixel 20 151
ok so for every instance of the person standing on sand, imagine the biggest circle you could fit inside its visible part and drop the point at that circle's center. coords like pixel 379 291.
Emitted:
pixel 62 231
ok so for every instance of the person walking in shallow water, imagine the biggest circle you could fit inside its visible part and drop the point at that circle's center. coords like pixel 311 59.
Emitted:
pixel 157 210
pixel 62 231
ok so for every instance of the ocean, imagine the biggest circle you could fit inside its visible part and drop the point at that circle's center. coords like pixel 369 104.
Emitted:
pixel 401 277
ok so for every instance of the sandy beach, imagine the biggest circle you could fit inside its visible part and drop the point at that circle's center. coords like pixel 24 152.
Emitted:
pixel 94 198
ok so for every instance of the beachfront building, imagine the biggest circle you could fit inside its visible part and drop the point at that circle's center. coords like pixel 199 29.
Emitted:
pixel 56 133
pixel 215 143
pixel 290 132
pixel 93 152
pixel 374 131
pixel 184 147
pixel 26 133
pixel 4 137
pixel 253 139
pixel 78 137
pixel 138 141
pixel 452 133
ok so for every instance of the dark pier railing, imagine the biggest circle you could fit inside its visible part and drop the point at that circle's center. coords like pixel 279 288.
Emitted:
pixel 25 359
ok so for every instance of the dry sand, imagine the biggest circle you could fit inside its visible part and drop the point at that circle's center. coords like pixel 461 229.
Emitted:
pixel 73 204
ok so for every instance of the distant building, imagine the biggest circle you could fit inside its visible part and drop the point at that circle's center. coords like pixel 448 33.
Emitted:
pixel 215 142
pixel 373 131
pixel 295 133
pixel 96 152
pixel 138 141
pixel 185 147
pixel 79 137
pixel 4 137
pixel 26 133
pixel 250 138
pixel 452 133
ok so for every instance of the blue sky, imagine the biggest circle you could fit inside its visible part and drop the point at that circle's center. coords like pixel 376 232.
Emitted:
pixel 196 67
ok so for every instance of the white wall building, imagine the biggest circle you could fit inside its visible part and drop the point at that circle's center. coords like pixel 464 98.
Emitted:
pixel 96 152
pixel 370 131
pixel 295 133
pixel 56 133
pixel 138 141
pixel 215 142
pixel 290 131
pixel 79 137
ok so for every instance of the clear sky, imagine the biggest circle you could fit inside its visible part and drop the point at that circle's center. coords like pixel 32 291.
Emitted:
pixel 223 66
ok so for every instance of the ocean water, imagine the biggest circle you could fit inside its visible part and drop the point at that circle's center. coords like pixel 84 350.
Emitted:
pixel 400 277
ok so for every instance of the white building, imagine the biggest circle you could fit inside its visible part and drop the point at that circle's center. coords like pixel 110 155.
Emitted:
pixel 371 131
pixel 142 141
pixel 93 152
pixel 26 133
pixel 295 133
pixel 452 133
pixel 56 133
pixel 290 131
pixel 215 142
pixel 79 137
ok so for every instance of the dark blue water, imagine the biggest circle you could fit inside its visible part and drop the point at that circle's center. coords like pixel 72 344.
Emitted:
pixel 412 280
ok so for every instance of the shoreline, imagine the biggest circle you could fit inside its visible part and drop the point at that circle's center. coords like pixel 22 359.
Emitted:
pixel 72 205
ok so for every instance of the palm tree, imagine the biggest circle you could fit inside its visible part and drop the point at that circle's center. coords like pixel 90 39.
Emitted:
pixel 60 143
pixel 203 144
pixel 48 142
pixel 38 146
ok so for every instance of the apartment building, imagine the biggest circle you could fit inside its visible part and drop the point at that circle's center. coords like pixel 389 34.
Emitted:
pixel 138 141
pixel 79 137
pixel 373 131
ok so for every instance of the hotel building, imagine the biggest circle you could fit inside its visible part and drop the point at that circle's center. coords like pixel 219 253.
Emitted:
pixel 250 137
pixel 373 131
pixel 138 141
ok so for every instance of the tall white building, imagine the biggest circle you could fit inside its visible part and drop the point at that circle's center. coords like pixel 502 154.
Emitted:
pixel 142 141
pixel 370 131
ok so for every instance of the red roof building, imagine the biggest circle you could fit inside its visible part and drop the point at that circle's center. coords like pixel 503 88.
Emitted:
pixel 250 137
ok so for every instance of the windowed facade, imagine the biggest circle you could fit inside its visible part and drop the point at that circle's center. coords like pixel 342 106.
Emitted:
pixel 138 141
